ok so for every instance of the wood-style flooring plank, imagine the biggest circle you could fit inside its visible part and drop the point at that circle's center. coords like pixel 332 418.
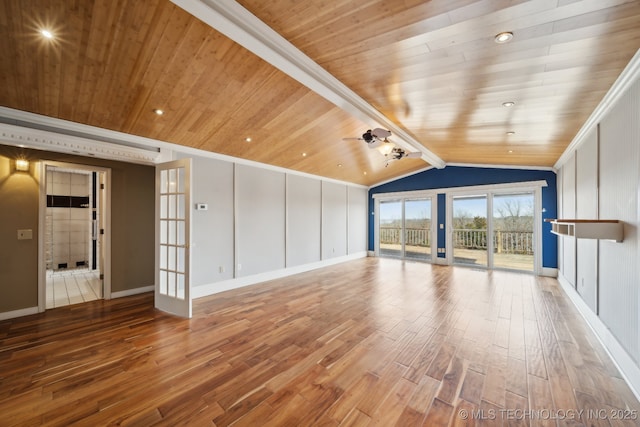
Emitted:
pixel 368 342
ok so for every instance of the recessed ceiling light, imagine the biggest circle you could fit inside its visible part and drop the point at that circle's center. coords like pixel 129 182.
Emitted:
pixel 304 154
pixel 248 139
pixel 46 33
pixel 508 104
pixel 158 111
pixel 339 165
pixel 503 37
pixel 510 151
pixel 365 172
pixel 511 132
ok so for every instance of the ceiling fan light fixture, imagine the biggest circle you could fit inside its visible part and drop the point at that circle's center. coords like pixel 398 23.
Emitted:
pixel 46 34
pixel 386 148
pixel 503 37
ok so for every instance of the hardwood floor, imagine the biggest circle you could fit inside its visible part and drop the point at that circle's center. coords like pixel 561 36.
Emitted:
pixel 369 342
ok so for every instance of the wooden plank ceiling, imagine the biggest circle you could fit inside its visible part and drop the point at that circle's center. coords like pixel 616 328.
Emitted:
pixel 431 67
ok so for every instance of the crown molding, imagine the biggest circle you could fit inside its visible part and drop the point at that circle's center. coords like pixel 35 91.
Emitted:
pixel 241 26
pixel 61 143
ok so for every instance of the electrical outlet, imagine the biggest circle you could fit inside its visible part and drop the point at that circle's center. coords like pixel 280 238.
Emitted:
pixel 239 266
pixel 221 269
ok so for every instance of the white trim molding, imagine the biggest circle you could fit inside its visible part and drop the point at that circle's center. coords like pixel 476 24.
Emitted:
pixel 50 141
pixel 524 186
pixel 134 291
pixel 625 364
pixel 5 315
pixel 227 285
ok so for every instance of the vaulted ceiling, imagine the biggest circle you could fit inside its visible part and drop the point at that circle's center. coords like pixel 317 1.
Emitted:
pixel 430 71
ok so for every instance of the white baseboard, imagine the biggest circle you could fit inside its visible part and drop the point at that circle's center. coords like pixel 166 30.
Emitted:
pixel 371 253
pixel 626 365
pixel 549 272
pixel 134 291
pixel 227 285
pixel 18 313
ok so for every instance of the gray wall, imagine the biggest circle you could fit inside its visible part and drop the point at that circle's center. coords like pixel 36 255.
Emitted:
pixel 132 225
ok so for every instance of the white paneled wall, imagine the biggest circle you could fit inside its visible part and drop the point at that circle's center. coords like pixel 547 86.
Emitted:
pixel 260 220
pixel 606 168
pixel 263 223
pixel 68 229
pixel 304 209
pixel 358 200
pixel 619 173
pixel 568 195
pixel 334 220
pixel 587 208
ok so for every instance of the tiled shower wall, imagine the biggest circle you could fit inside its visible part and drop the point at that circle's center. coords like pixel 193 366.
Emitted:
pixel 68 237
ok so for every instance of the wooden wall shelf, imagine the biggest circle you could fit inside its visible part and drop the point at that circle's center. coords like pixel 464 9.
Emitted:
pixel 604 229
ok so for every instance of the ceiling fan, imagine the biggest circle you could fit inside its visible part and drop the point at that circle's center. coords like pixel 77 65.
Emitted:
pixel 374 138
pixel 377 138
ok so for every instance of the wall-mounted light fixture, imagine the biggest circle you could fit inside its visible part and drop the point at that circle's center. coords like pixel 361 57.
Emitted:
pixel 22 165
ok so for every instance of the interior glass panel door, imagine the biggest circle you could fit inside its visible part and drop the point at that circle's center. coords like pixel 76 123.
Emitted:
pixel 390 231
pixel 417 229
pixel 513 226
pixel 469 230
pixel 173 236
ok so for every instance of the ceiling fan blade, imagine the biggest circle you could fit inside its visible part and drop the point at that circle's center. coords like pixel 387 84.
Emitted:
pixel 415 155
pixel 390 160
pixel 352 139
pixel 380 133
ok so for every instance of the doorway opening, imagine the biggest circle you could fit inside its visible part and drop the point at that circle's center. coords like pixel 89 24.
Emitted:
pixel 74 213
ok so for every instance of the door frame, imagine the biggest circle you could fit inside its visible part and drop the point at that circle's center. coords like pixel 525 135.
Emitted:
pixel 105 211
pixel 402 197
pixel 489 191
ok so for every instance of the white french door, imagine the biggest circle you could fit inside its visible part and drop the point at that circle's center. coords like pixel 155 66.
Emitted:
pixel 173 236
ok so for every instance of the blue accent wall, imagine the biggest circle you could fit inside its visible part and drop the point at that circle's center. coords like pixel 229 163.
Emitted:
pixel 463 176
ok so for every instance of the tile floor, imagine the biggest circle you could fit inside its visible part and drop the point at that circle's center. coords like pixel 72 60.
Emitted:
pixel 72 287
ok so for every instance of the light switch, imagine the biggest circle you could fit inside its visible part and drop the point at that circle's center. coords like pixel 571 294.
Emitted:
pixel 202 207
pixel 25 234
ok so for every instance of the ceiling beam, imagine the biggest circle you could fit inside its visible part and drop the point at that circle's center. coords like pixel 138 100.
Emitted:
pixel 234 21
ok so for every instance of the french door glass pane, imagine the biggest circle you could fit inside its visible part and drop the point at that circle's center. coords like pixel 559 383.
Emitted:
pixel 417 231
pixel 470 230
pixel 391 228
pixel 513 231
